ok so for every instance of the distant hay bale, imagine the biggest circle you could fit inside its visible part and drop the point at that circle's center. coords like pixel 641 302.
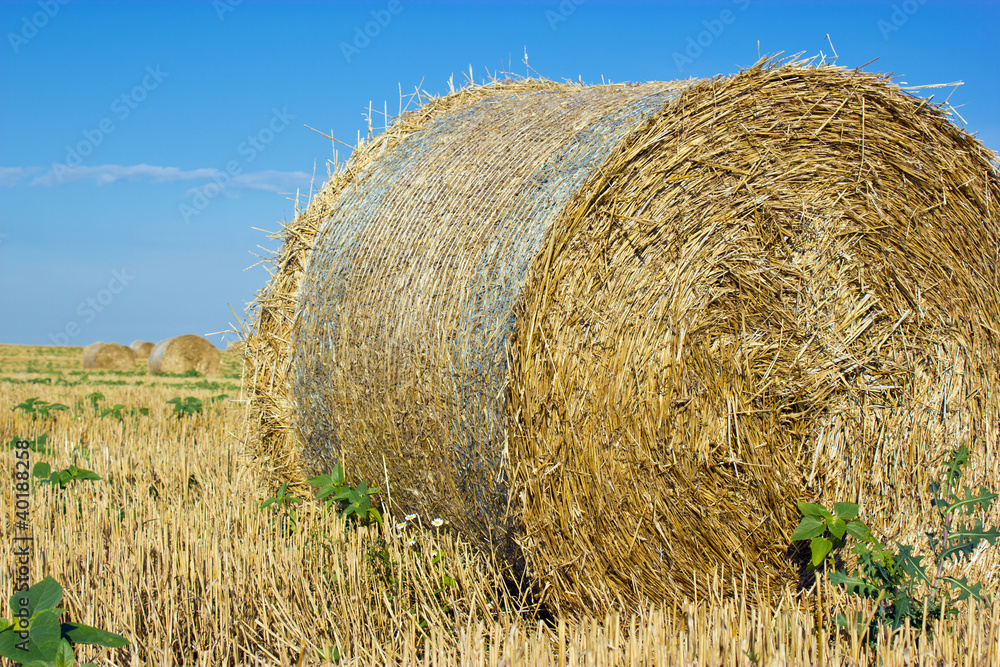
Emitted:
pixel 235 347
pixel 108 357
pixel 184 353
pixel 142 348
pixel 617 332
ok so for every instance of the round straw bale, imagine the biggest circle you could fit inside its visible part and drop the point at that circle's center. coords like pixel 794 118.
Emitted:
pixel 617 332
pixel 235 347
pixel 184 353
pixel 108 357
pixel 142 348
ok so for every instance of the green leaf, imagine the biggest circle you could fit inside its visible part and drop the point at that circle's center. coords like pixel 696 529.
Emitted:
pixel 955 462
pixel 809 527
pixel 64 656
pixel 859 531
pixel 42 470
pixel 837 528
pixel 42 639
pixel 975 533
pixel 912 566
pixel 852 582
pixel 320 481
pixel 40 444
pixel 46 594
pixel 84 474
pixel 845 511
pixel 968 503
pixel 85 634
pixel 820 548
pixel 962 587
pixel 961 551
pixel 809 509
pixel 338 474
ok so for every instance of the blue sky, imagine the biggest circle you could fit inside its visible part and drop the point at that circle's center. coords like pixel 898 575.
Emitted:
pixel 144 144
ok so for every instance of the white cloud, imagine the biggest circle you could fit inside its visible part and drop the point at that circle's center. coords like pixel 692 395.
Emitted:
pixel 267 181
pixel 109 174
pixel 11 176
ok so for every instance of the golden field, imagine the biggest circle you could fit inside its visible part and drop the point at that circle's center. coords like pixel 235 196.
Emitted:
pixel 171 550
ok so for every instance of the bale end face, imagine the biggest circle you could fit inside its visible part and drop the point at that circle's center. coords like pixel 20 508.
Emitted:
pixel 185 353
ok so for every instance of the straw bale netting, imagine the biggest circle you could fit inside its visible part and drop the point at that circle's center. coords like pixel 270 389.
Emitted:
pixel 108 357
pixel 616 332
pixel 142 348
pixel 92 346
pixel 184 353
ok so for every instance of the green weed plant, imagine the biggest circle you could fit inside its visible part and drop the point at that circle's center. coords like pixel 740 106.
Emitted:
pixel 906 588
pixel 33 635
pixel 43 472
pixel 40 445
pixel 186 407
pixel 36 407
pixel 353 502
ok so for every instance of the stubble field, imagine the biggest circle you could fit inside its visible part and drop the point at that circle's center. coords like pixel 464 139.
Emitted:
pixel 171 549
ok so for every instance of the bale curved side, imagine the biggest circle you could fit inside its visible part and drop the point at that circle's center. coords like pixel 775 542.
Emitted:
pixel 185 353
pixel 109 357
pixel 405 309
pixel 92 346
pixel 272 439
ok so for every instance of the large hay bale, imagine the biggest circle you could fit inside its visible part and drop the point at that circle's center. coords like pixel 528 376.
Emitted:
pixel 142 348
pixel 616 332
pixel 184 353
pixel 108 357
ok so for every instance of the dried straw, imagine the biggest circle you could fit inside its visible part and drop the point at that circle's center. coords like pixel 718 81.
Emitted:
pixel 184 353
pixel 621 330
